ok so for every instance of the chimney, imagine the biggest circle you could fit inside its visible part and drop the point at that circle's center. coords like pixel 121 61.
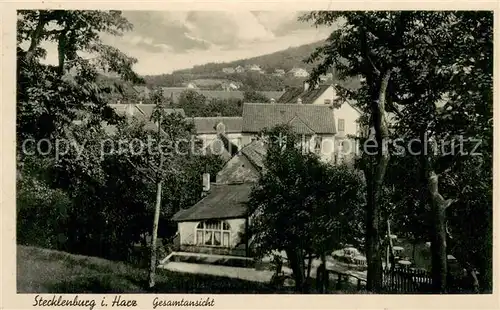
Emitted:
pixel 306 86
pixel 206 182
pixel 299 101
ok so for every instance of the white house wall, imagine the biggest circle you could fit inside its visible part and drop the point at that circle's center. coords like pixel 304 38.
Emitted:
pixel 187 231
pixel 235 138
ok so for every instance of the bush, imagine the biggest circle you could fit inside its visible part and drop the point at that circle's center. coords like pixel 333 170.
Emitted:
pixel 41 214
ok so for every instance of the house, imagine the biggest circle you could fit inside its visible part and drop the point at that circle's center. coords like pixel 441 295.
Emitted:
pixel 217 224
pixel 173 93
pixel 208 130
pixel 141 112
pixel 346 113
pixel 239 69
pixel 272 95
pixel 326 77
pixel 299 72
pixel 279 72
pixel 143 92
pixel 319 94
pixel 230 86
pixel 228 70
pixel 254 68
pixel 314 123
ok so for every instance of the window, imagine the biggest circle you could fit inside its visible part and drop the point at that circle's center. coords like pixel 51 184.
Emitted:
pixel 341 124
pixel 213 233
pixel 328 101
pixel 318 141
pixel 306 143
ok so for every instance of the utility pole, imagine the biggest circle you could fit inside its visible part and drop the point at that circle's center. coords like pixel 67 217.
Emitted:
pixel 152 269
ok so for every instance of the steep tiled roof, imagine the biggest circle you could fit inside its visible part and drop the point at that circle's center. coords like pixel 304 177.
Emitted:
pixel 223 201
pixel 207 125
pixel 255 152
pixel 142 111
pixel 272 94
pixel 147 110
pixel 222 147
pixel 293 93
pixel 304 118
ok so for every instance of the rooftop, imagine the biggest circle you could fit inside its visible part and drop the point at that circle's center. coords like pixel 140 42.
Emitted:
pixel 308 96
pixel 208 125
pixel 303 118
pixel 223 201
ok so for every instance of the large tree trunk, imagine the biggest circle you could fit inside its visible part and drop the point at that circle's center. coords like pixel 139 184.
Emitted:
pixel 438 244
pixel 36 35
pixel 391 257
pixel 322 275
pixel 296 260
pixel 373 255
pixel 152 266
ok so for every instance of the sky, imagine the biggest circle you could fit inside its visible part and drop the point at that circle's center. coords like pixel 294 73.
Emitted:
pixel 164 41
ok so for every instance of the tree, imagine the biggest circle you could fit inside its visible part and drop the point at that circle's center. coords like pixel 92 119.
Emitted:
pixel 192 102
pixel 297 208
pixel 351 42
pixel 253 96
pixel 394 51
pixel 48 95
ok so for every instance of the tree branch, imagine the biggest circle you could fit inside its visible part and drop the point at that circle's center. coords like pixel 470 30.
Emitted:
pixel 36 36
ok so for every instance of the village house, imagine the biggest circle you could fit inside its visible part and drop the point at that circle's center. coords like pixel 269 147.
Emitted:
pixel 141 112
pixel 208 129
pixel 228 70
pixel 279 72
pixel 299 72
pixel 191 86
pixel 218 223
pixel 315 124
pixel 229 86
pixel 346 113
pixel 239 69
pixel 254 68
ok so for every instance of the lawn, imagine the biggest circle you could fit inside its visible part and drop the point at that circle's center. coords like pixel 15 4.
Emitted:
pixel 48 271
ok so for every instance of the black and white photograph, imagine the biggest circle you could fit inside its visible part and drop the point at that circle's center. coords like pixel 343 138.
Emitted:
pixel 253 152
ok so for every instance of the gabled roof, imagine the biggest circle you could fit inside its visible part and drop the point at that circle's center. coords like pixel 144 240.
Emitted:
pixel 316 118
pixel 207 125
pixel 222 147
pixel 309 96
pixel 143 111
pixel 255 152
pixel 223 201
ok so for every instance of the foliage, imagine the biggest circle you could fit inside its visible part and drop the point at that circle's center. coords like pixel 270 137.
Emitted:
pixel 87 194
pixel 443 90
pixel 302 205
pixel 48 95
pixel 197 105
pixel 253 96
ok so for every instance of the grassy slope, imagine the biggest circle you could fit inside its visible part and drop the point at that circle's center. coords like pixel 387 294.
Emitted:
pixel 48 271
